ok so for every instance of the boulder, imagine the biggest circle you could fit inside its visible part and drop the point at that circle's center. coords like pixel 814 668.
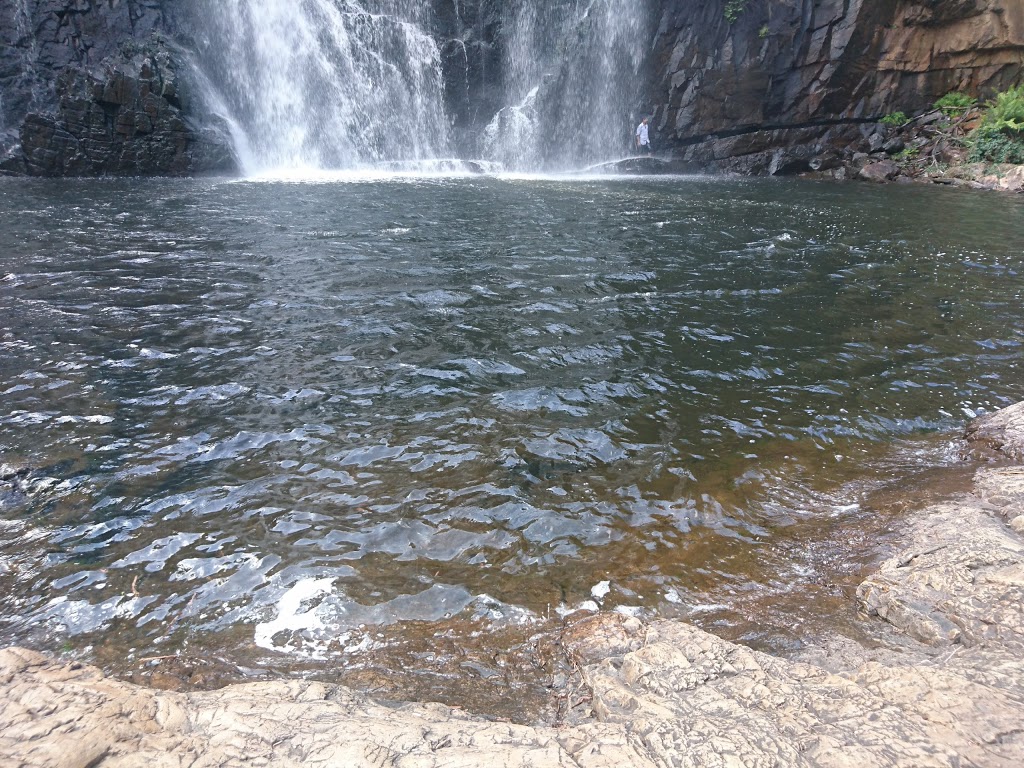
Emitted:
pixel 879 171
pixel 894 145
pixel 1006 178
pixel 999 434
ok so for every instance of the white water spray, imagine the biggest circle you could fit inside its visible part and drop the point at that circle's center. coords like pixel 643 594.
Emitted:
pixel 572 72
pixel 326 84
pixel 357 85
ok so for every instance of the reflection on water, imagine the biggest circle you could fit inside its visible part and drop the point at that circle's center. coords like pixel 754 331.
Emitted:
pixel 308 421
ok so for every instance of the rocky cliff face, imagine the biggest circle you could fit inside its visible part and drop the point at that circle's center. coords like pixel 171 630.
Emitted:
pixel 762 86
pixel 93 88
pixel 470 37
pixel 770 85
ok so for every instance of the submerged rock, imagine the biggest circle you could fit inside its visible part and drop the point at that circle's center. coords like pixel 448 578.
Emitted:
pixel 944 687
pixel 645 166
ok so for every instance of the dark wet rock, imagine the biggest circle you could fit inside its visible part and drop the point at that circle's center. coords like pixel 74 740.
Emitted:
pixel 469 35
pixel 894 145
pixel 788 74
pixel 122 117
pixel 644 166
pixel 98 89
pixel 825 162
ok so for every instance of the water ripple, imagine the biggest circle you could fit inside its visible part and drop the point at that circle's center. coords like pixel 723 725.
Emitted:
pixel 294 413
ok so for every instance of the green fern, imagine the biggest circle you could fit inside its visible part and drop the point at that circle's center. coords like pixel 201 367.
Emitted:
pixel 896 120
pixel 1000 137
pixel 1006 111
pixel 954 103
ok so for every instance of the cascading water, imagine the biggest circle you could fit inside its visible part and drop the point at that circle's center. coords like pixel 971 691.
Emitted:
pixel 572 74
pixel 324 84
pixel 352 84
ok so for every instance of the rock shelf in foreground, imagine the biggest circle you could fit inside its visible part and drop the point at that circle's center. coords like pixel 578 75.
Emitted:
pixel 664 694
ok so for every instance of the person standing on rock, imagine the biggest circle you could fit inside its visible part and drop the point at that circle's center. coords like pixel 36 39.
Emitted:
pixel 643 138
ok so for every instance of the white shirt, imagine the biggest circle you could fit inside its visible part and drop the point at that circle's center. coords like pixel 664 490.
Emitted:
pixel 642 136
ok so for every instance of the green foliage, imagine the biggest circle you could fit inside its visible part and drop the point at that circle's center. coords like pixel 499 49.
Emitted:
pixel 906 155
pixel 1007 110
pixel 733 9
pixel 954 103
pixel 763 32
pixel 1000 137
pixel 896 119
pixel 989 144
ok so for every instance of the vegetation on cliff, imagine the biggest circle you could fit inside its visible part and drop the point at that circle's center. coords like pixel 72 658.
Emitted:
pixel 1000 136
pixel 958 142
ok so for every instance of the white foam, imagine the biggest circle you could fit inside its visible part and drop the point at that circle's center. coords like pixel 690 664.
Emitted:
pixel 289 614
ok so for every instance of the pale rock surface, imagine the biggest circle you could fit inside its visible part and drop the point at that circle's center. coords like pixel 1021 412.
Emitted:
pixel 1000 433
pixel 1006 178
pixel 944 688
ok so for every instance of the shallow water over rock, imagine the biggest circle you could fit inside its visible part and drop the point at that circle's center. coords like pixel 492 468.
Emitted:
pixel 408 423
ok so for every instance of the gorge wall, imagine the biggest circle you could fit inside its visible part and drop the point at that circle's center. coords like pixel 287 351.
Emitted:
pixel 771 85
pixel 96 87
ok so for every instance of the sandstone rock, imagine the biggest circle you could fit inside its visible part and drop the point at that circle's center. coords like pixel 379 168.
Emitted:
pixel 999 434
pixel 1002 489
pixel 95 89
pixel 953 588
pixel 802 70
pixel 122 117
pixel 1006 178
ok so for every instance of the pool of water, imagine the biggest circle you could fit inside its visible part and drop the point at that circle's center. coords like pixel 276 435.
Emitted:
pixel 409 423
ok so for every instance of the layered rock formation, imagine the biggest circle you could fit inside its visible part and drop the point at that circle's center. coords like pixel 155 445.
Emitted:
pixel 122 118
pixel 942 687
pixel 769 87
pixel 92 88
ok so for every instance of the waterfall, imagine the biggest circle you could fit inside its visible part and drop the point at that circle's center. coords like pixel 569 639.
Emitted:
pixel 343 84
pixel 323 84
pixel 572 78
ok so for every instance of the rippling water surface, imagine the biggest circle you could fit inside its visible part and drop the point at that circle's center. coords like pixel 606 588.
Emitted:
pixel 317 424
